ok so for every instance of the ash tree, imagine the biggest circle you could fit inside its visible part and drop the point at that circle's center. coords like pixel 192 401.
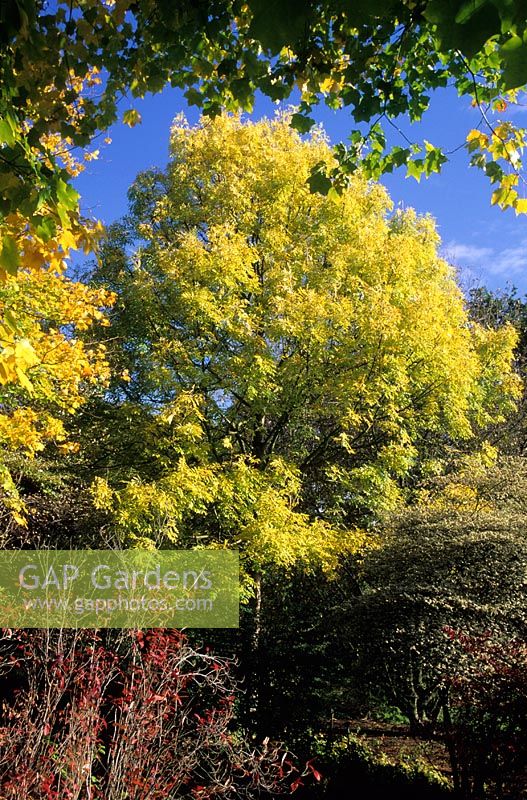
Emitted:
pixel 281 359
pixel 279 356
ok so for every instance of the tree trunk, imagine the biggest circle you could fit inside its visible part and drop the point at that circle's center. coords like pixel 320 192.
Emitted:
pixel 254 661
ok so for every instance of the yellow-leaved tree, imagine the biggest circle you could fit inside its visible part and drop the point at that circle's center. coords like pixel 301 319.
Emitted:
pixel 286 357
pixel 46 370
pixel 36 231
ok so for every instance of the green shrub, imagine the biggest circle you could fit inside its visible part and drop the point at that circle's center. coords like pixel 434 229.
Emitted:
pixel 347 763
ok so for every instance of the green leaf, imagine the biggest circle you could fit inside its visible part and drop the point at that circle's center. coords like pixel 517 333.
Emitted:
pixel 514 55
pixel 399 155
pixel 415 169
pixel 9 255
pixel 10 322
pixel 301 123
pixel 7 133
pixel 434 159
pixel 464 26
pixel 438 11
pixel 467 10
pixel 46 228
pixel 493 171
pixel 318 182
pixel 368 107
pixel 67 196
pixel 194 97
pixel 277 23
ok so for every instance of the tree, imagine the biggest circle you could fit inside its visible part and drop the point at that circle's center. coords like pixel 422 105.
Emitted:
pixel 46 370
pixel 494 309
pixel 284 354
pixel 381 59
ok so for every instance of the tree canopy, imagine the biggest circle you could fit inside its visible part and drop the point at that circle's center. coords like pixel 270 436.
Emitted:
pixel 46 370
pixel 285 355
pixel 265 357
pixel 64 67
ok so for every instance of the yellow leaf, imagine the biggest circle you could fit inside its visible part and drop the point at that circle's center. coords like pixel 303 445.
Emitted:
pixel 68 240
pixel 25 353
pixel 326 85
pixel 69 447
pixel 24 380
pixel 5 376
pixel 131 117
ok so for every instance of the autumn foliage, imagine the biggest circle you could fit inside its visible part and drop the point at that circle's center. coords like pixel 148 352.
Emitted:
pixel 293 375
pixel 143 716
pixel 47 370
pixel 286 353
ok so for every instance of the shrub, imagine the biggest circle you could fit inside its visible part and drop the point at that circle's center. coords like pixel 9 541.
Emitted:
pixel 487 734
pixel 87 716
pixel 348 765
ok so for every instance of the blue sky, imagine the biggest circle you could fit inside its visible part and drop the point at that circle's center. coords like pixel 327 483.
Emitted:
pixel 489 246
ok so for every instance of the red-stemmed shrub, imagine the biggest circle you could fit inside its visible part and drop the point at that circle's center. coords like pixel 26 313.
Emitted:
pixel 137 716
pixel 487 725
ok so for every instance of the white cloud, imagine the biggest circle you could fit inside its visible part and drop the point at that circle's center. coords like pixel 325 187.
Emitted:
pixel 466 255
pixel 507 263
pixel 511 261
